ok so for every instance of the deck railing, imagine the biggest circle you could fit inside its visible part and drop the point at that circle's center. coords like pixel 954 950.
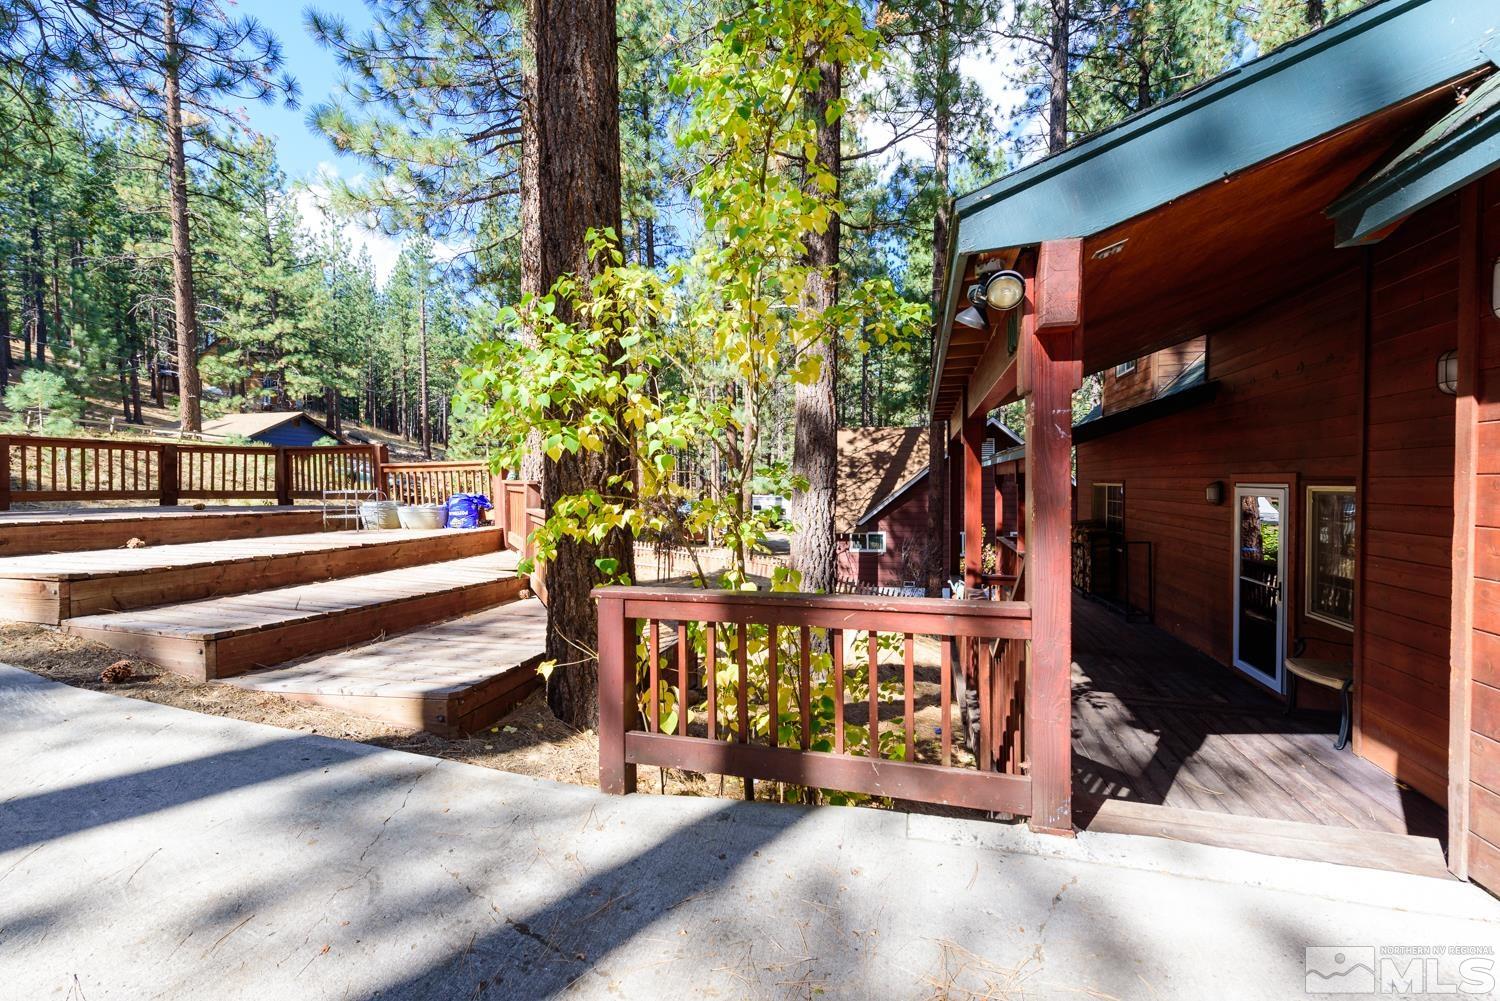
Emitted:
pixel 435 482
pixel 37 468
pixel 774 708
pixel 518 509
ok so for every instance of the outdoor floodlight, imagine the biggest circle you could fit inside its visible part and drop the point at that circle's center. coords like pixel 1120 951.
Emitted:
pixel 1004 290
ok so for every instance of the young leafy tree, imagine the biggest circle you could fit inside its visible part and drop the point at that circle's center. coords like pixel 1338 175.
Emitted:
pixel 171 65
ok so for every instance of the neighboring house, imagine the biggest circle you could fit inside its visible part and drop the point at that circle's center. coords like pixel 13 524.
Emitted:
pixel 883 497
pixel 287 427
pixel 1326 222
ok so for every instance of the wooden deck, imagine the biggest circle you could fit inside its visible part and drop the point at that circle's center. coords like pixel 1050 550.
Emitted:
pixel 452 678
pixel 220 637
pixel 55 586
pixel 74 529
pixel 1155 723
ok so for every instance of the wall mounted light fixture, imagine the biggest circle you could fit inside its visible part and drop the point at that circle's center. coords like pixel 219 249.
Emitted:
pixel 1214 493
pixel 1447 372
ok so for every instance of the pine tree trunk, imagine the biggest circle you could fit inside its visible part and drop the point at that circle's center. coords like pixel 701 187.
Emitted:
pixel 5 361
pixel 424 415
pixel 189 386
pixel 1057 76
pixel 38 289
pixel 815 445
pixel 942 140
pixel 570 183
pixel 135 389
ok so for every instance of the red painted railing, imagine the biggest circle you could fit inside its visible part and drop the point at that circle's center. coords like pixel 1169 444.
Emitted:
pixel 518 509
pixel 774 708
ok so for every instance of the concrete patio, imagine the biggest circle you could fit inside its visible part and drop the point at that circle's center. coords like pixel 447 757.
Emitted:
pixel 151 852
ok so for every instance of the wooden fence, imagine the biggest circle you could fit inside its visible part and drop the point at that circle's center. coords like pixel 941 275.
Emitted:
pixel 35 468
pixel 435 482
pixel 981 648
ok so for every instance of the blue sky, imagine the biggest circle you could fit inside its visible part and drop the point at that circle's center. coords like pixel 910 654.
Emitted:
pixel 301 149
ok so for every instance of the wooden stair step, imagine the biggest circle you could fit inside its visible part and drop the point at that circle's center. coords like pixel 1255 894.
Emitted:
pixel 53 587
pixel 452 678
pixel 75 529
pixel 220 637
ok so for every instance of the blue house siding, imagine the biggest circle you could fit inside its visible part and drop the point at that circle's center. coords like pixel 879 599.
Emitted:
pixel 296 431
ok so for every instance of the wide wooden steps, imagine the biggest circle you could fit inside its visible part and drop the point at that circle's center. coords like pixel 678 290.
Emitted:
pixel 53 587
pixel 26 532
pixel 1422 856
pixel 453 678
pixel 221 637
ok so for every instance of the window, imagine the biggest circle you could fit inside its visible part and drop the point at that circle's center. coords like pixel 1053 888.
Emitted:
pixel 1109 505
pixel 867 542
pixel 1331 553
pixel 1125 368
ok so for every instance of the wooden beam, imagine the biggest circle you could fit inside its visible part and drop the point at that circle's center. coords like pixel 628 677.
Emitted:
pixel 1051 369
pixel 1465 462
pixel 973 452
pixel 937 504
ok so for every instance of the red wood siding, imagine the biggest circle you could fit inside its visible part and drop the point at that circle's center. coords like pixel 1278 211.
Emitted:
pixel 1408 504
pixel 1483 689
pixel 905 558
pixel 1292 408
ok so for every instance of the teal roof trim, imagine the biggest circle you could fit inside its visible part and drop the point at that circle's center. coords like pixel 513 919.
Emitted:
pixel 1377 57
pixel 1461 146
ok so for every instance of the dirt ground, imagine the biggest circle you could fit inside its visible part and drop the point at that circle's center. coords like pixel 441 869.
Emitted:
pixel 529 741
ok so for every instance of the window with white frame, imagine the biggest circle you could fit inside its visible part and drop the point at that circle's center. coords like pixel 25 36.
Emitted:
pixel 1125 368
pixel 1109 505
pixel 867 542
pixel 1332 549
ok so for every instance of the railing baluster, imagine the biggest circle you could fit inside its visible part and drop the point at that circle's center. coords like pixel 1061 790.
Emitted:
pixel 711 680
pixel 874 750
pixel 742 656
pixel 836 642
pixel 652 674
pixel 682 678
pixel 945 682
pixel 911 716
pixel 806 687
pixel 773 668
pixel 986 705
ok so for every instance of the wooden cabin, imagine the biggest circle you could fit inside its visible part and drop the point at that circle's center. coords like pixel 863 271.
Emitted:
pixel 884 495
pixel 1319 232
pixel 283 427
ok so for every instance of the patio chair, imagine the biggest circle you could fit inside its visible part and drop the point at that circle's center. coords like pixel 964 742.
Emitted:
pixel 1335 674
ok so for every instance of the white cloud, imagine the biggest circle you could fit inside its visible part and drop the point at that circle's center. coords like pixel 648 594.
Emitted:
pixel 313 205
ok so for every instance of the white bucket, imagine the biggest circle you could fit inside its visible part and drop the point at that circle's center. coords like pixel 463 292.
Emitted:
pixel 379 514
pixel 423 515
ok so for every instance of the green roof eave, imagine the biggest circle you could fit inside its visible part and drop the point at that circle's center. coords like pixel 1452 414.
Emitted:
pixel 1375 58
pixel 1461 146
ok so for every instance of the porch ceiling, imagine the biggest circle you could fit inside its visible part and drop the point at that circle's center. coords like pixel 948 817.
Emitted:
pixel 1201 261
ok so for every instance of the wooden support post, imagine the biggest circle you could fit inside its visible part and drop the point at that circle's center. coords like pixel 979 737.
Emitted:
pixel 616 693
pixel 380 457
pixel 168 475
pixel 937 505
pixel 5 466
pixel 952 557
pixel 1051 368
pixel 973 453
pixel 283 477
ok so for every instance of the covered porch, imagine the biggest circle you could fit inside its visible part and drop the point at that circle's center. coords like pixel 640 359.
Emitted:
pixel 1167 742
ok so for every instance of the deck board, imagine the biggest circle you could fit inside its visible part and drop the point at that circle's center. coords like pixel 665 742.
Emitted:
pixel 53 587
pixel 1158 723
pixel 220 637
pixel 71 529
pixel 457 676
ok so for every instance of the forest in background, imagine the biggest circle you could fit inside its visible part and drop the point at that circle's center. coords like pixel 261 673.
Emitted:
pixel 286 313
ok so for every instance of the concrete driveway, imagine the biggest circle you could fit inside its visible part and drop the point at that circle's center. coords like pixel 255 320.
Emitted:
pixel 151 852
